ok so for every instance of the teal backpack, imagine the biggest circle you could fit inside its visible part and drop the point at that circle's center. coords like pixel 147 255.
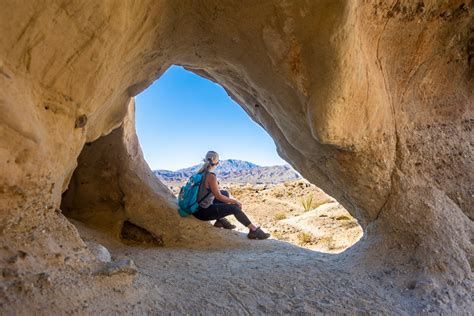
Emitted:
pixel 188 196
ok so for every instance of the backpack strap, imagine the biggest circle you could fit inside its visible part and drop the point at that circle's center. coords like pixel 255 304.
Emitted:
pixel 202 186
pixel 205 196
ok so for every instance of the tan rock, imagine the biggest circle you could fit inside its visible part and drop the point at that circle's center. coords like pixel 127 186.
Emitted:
pixel 371 101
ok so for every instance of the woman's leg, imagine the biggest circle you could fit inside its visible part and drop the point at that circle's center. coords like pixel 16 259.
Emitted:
pixel 216 211
pixel 222 221
pixel 220 210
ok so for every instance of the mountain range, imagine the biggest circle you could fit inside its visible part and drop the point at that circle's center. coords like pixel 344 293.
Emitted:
pixel 235 171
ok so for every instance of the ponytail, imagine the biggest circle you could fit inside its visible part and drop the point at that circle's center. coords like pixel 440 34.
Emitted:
pixel 211 160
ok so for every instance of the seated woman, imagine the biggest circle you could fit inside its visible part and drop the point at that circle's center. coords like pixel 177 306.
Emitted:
pixel 215 204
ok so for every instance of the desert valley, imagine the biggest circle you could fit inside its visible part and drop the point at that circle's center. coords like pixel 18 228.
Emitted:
pixel 277 197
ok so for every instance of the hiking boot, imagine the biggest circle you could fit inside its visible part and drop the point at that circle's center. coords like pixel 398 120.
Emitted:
pixel 224 223
pixel 258 234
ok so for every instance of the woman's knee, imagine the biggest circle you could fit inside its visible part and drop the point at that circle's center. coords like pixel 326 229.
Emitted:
pixel 238 209
pixel 233 208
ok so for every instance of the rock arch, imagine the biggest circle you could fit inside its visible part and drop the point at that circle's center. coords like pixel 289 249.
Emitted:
pixel 370 101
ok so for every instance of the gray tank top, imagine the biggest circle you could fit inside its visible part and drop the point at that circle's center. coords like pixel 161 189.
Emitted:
pixel 209 199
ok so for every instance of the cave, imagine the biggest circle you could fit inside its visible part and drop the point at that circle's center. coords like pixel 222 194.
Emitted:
pixel 371 101
pixel 99 194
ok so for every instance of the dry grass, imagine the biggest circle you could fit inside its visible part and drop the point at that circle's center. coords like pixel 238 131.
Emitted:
pixel 342 218
pixel 305 238
pixel 327 241
pixel 307 202
pixel 278 235
pixel 285 218
pixel 279 216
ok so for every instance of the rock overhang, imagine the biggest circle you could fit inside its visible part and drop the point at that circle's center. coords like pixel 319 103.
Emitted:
pixel 365 100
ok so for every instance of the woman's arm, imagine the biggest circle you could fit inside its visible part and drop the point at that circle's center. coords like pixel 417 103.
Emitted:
pixel 212 181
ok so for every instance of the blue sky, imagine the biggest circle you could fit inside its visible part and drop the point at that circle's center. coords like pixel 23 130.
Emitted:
pixel 181 116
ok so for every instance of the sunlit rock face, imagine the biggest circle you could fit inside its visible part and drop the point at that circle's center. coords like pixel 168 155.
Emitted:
pixel 113 189
pixel 371 101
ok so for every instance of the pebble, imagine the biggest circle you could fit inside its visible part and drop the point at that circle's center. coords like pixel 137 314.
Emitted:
pixel 45 279
pixel 100 252
pixel 123 266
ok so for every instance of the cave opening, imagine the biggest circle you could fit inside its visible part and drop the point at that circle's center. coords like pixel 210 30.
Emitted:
pixel 182 115
pixel 161 131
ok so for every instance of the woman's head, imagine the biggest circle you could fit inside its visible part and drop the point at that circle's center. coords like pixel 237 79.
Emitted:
pixel 210 161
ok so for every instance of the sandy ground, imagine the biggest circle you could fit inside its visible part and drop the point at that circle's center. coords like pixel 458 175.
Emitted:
pixel 287 274
pixel 323 226
pixel 268 277
pixel 261 277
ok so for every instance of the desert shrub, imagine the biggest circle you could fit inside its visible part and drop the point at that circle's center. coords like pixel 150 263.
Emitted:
pixel 343 218
pixel 279 216
pixel 307 202
pixel 304 238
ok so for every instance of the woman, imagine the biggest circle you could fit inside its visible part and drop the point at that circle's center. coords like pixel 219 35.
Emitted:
pixel 215 204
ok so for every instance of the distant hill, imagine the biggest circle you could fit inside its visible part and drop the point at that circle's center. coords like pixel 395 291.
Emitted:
pixel 234 171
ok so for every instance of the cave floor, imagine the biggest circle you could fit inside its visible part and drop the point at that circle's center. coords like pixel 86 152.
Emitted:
pixel 263 277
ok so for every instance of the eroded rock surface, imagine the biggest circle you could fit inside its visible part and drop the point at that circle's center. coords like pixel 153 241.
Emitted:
pixel 371 101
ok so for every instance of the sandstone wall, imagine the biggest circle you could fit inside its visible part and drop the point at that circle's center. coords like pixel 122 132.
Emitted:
pixel 371 101
pixel 113 184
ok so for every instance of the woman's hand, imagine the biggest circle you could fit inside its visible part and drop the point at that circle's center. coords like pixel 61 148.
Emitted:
pixel 214 186
pixel 234 201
